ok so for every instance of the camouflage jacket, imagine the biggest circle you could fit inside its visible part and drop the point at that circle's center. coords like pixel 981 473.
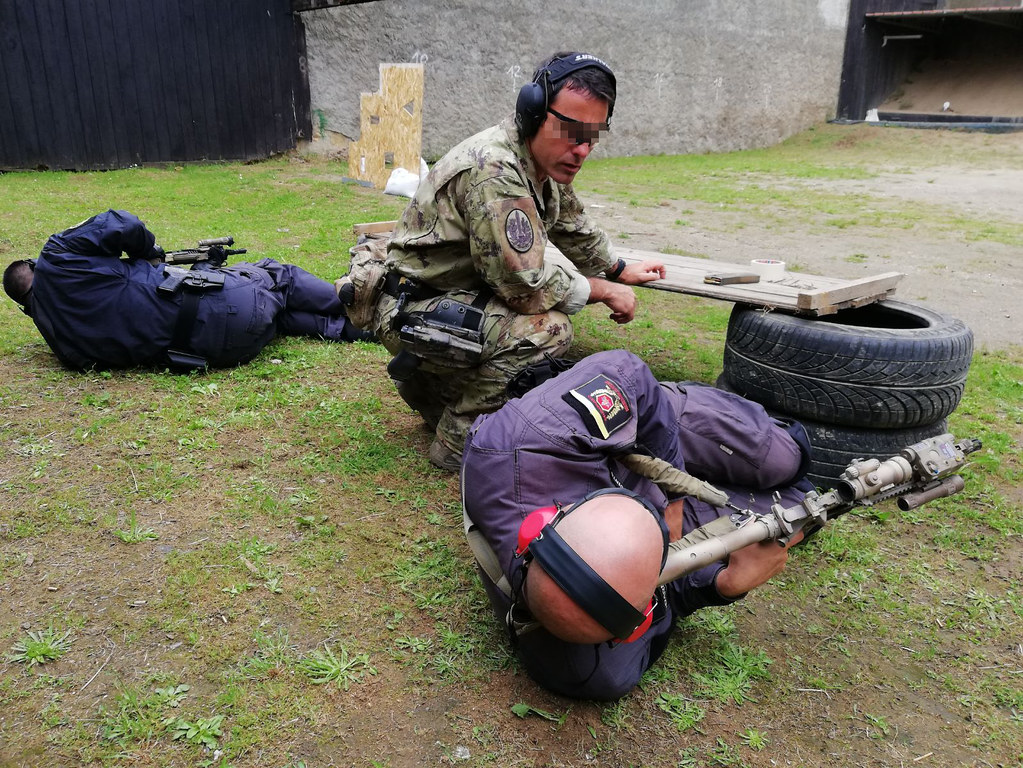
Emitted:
pixel 480 219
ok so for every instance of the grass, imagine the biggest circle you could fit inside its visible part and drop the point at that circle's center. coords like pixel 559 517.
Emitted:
pixel 297 589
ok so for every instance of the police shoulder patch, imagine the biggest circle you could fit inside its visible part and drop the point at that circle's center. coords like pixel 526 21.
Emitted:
pixel 602 404
pixel 518 230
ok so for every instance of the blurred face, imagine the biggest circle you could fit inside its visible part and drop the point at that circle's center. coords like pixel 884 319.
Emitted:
pixel 574 122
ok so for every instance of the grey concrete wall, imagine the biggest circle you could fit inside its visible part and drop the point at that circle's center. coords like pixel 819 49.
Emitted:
pixel 693 75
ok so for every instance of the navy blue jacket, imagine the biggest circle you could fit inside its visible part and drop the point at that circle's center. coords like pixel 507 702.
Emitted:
pixel 544 448
pixel 98 310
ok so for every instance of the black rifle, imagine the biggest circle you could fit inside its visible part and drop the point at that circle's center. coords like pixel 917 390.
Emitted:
pixel 211 251
pixel 209 255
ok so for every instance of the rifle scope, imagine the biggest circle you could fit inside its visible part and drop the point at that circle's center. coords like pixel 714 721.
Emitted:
pixel 929 460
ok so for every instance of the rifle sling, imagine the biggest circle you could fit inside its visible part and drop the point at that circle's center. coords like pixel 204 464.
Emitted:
pixel 177 353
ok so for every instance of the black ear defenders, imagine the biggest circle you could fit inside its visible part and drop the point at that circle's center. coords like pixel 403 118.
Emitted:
pixel 540 541
pixel 535 98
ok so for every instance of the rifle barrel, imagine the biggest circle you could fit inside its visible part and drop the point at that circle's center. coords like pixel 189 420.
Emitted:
pixel 684 559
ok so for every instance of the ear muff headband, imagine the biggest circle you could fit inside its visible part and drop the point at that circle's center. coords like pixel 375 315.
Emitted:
pixel 539 539
pixel 534 98
pixel 584 585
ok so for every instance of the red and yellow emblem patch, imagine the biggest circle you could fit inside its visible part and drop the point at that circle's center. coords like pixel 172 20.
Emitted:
pixel 602 405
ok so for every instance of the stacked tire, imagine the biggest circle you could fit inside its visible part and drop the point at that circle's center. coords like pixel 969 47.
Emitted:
pixel 865 382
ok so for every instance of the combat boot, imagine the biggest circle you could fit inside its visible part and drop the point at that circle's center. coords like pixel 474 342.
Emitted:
pixel 444 458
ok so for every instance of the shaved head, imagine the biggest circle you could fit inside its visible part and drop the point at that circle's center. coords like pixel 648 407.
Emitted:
pixel 620 540
pixel 18 280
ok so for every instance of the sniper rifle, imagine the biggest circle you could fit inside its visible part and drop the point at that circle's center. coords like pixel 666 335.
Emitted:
pixel 920 473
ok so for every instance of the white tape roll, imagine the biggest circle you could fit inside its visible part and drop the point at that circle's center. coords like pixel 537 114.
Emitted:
pixel 768 269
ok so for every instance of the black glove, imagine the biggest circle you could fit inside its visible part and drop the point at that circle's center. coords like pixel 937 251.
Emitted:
pixel 536 374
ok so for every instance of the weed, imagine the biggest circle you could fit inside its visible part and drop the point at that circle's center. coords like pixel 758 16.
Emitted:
pixel 326 666
pixel 140 715
pixel 616 715
pixel 171 696
pixel 724 754
pixel 413 644
pixel 134 533
pixel 41 647
pixel 684 713
pixel 735 674
pixel 878 724
pixel 754 739
pixel 203 731
pixel 525 710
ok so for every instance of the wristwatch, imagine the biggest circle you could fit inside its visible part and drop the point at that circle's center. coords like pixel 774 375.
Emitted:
pixel 616 271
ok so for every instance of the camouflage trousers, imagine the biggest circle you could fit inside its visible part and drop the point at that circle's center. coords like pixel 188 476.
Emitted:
pixel 450 398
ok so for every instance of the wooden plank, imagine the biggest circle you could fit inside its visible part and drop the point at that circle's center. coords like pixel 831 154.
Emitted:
pixel 827 297
pixel 796 292
pixel 374 227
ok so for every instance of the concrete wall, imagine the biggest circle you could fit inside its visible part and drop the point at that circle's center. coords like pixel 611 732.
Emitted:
pixel 693 75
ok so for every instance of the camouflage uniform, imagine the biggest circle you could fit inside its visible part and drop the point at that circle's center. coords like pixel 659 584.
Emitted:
pixel 480 222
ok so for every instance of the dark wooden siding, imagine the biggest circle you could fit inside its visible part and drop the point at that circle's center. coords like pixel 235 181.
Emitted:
pixel 95 84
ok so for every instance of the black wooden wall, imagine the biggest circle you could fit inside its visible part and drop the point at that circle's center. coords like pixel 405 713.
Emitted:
pixel 99 84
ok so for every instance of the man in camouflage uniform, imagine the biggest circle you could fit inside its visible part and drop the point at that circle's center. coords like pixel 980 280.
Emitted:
pixel 474 237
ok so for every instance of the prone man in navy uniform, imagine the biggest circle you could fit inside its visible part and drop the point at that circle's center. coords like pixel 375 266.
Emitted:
pixel 96 309
pixel 557 462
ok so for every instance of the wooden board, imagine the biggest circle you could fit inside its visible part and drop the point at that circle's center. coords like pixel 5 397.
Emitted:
pixel 796 292
pixel 373 227
pixel 391 126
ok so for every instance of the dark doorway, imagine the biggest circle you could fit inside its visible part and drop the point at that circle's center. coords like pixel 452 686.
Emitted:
pixel 915 61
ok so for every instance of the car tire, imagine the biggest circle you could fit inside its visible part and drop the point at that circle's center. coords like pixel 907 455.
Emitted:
pixel 887 365
pixel 835 447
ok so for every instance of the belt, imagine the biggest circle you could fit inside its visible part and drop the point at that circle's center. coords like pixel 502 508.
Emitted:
pixel 398 285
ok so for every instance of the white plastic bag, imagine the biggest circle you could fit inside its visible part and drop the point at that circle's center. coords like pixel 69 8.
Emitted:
pixel 405 183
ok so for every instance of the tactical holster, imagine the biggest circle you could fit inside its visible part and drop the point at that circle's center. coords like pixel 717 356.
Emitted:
pixel 192 283
pixel 534 375
pixel 450 335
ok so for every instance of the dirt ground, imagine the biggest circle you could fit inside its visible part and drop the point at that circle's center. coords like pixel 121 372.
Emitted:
pixel 975 86
pixel 978 281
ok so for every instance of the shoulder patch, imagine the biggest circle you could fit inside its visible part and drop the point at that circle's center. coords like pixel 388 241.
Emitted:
pixel 518 230
pixel 602 405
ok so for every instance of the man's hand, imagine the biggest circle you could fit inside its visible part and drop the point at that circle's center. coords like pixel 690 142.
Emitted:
pixel 619 298
pixel 673 519
pixel 643 272
pixel 752 566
